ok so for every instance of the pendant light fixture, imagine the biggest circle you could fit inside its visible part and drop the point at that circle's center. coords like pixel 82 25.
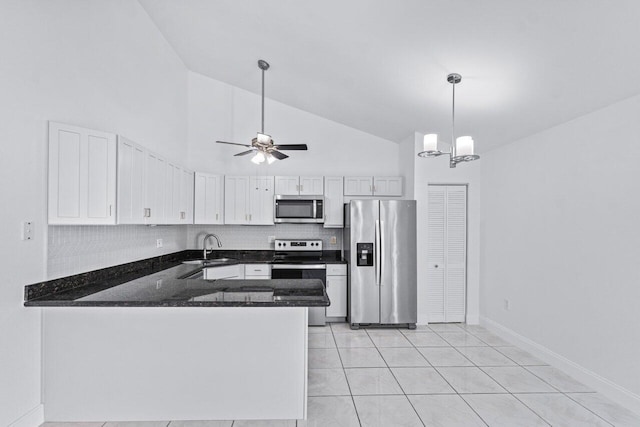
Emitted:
pixel 462 149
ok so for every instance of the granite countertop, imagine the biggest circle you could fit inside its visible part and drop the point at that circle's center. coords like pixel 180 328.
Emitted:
pixel 165 282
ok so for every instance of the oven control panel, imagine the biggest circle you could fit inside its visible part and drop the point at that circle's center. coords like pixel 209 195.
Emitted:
pixel 298 245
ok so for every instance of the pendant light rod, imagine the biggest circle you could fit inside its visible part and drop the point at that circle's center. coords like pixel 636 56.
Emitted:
pixel 264 66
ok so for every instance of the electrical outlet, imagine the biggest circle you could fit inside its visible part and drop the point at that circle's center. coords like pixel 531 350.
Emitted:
pixel 271 239
pixel 158 243
pixel 27 230
pixel 507 304
pixel 333 240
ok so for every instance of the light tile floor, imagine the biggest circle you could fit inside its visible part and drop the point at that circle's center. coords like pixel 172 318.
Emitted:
pixel 437 375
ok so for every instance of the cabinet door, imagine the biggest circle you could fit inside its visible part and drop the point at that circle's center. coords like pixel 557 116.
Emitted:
pixel 333 202
pixel 224 272
pixel 358 186
pixel 261 200
pixel 311 185
pixel 186 197
pixel 287 185
pixel 387 186
pixel 337 292
pixel 208 201
pixel 82 175
pixel 131 182
pixel 155 170
pixel 172 188
pixel 236 199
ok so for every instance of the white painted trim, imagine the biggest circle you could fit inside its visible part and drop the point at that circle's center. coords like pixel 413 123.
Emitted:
pixel 613 391
pixel 472 319
pixel 33 418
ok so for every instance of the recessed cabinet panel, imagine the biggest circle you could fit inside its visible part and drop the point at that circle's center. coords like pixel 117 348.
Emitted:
pixel 287 185
pixel 155 183
pixel 333 202
pixel 261 200
pixel 387 186
pixel 358 186
pixel 82 175
pixel 131 182
pixel 311 185
pixel 236 199
pixel 209 199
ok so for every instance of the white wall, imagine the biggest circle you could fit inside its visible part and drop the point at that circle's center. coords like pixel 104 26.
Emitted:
pixel 561 241
pixel 102 65
pixel 218 111
pixel 436 171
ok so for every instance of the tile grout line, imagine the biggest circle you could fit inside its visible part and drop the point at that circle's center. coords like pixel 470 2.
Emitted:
pixel 353 401
pixel 396 379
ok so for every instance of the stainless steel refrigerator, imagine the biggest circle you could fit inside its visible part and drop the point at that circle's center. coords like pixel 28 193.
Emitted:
pixel 380 247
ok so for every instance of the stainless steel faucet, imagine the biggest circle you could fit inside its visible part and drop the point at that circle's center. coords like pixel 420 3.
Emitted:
pixel 204 243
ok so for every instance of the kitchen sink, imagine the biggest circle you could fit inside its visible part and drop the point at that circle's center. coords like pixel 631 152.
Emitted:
pixel 212 261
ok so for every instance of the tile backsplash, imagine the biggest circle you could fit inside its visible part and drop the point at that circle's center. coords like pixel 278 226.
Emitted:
pixel 76 249
pixel 257 236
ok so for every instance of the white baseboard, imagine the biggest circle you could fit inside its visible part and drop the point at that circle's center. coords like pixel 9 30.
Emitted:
pixel 473 319
pixel 598 383
pixel 33 418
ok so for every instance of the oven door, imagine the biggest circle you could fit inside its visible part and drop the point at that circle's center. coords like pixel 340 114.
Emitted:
pixel 317 315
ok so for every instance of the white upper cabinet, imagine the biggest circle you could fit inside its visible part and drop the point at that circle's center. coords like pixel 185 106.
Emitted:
pixel 373 186
pixel 236 199
pixel 261 200
pixel 387 186
pixel 287 185
pixel 154 205
pixel 209 201
pixel 82 175
pixel 131 182
pixel 358 185
pixel 333 202
pixel 311 185
pixel 178 195
pixel 248 200
pixel 299 185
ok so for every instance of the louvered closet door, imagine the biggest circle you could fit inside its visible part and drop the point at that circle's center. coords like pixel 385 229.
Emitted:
pixel 446 273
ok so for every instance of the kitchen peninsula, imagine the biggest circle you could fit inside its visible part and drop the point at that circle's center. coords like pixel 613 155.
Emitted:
pixel 148 341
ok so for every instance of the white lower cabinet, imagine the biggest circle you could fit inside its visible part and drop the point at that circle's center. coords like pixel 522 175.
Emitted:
pixel 228 272
pixel 257 271
pixel 82 175
pixel 337 290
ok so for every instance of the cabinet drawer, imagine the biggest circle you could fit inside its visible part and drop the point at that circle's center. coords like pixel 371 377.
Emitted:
pixel 257 270
pixel 336 269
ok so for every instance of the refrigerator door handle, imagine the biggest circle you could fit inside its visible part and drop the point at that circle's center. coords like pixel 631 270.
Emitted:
pixel 378 253
pixel 381 250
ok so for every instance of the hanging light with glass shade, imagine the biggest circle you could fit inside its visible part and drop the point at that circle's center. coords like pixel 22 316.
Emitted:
pixel 462 148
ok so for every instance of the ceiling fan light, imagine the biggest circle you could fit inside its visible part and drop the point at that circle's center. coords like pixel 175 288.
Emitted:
pixel 270 159
pixel 464 146
pixel 263 139
pixel 258 158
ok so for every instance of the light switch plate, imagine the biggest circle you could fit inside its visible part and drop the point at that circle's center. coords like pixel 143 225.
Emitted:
pixel 27 230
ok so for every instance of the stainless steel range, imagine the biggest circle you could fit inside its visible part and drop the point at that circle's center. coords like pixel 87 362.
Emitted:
pixel 301 259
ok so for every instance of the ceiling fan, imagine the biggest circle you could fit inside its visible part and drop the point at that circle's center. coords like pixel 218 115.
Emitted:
pixel 262 145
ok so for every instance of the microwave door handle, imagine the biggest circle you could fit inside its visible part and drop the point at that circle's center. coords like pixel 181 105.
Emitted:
pixel 315 209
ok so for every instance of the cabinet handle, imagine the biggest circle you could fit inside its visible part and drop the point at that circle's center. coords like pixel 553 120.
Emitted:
pixel 109 210
pixel 183 215
pixel 301 187
pixel 216 217
pixel 370 188
pixel 249 217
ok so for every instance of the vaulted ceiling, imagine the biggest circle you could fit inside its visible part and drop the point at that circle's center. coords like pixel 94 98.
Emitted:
pixel 380 66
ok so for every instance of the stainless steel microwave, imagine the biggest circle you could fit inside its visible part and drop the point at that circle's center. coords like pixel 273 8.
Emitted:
pixel 298 209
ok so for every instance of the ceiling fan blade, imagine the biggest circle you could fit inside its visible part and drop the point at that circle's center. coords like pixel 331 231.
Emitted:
pixel 278 155
pixel 244 153
pixel 233 143
pixel 291 146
